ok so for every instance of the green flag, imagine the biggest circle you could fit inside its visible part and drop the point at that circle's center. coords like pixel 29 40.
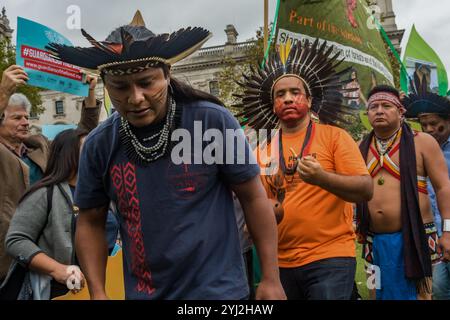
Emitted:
pixel 350 27
pixel 420 58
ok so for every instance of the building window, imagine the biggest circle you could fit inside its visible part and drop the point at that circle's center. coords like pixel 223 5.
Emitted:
pixel 59 107
pixel 33 115
pixel 214 88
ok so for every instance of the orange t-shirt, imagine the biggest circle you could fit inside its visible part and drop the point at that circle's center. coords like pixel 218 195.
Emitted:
pixel 316 224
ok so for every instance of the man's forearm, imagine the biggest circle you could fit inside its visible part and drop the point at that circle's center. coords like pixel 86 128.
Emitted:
pixel 92 251
pixel 89 116
pixel 443 201
pixel 90 101
pixel 4 100
pixel 262 227
pixel 348 188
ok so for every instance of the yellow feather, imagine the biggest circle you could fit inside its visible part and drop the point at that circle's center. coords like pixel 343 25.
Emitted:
pixel 281 52
pixel 284 50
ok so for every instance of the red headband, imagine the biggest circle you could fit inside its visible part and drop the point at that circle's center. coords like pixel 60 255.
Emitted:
pixel 387 97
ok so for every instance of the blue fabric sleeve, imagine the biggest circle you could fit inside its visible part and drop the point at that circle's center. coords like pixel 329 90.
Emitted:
pixel 90 191
pixel 243 166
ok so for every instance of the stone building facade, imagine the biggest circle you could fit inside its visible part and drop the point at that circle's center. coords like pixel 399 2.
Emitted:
pixel 385 14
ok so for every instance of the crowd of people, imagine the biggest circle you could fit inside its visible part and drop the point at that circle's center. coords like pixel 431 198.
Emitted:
pixel 187 228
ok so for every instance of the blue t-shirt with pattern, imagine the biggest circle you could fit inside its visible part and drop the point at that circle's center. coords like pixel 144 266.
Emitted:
pixel 177 221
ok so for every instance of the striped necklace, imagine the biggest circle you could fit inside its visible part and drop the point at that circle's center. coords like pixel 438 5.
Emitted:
pixel 383 146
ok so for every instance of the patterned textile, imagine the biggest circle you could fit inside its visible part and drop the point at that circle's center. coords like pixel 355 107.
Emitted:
pixel 430 231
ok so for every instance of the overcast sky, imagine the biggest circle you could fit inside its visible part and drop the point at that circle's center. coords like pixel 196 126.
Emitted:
pixel 98 18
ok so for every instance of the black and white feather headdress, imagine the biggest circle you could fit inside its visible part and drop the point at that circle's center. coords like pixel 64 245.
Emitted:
pixel 421 101
pixel 315 65
pixel 132 48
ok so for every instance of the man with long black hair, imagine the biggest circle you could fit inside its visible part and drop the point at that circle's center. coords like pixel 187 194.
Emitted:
pixel 179 232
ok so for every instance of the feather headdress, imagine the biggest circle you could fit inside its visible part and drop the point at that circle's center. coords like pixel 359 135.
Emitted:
pixel 132 48
pixel 421 101
pixel 315 65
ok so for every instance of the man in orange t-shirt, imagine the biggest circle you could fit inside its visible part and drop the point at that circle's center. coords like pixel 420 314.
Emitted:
pixel 317 223
pixel 316 250
pixel 313 170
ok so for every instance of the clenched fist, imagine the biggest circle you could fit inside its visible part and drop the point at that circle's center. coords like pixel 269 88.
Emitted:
pixel 13 77
pixel 309 169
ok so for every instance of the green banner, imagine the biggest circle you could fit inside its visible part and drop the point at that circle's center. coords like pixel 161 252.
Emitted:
pixel 420 58
pixel 351 28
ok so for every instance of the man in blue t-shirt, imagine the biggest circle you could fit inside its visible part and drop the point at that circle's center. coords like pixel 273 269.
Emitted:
pixel 152 159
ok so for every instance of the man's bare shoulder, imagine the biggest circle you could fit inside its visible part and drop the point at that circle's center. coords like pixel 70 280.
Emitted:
pixel 422 137
pixel 424 141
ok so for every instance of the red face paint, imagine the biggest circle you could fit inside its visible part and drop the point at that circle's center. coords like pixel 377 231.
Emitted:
pixel 291 112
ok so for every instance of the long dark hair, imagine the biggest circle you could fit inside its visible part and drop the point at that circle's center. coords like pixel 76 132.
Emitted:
pixel 185 93
pixel 63 160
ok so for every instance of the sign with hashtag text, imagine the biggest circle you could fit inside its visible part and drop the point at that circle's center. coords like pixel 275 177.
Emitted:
pixel 45 70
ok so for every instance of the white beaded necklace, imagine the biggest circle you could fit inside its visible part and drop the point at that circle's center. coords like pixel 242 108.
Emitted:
pixel 383 144
pixel 136 150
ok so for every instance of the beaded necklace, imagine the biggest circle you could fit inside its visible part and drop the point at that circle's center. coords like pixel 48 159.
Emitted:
pixel 383 146
pixel 136 150
pixel 290 171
